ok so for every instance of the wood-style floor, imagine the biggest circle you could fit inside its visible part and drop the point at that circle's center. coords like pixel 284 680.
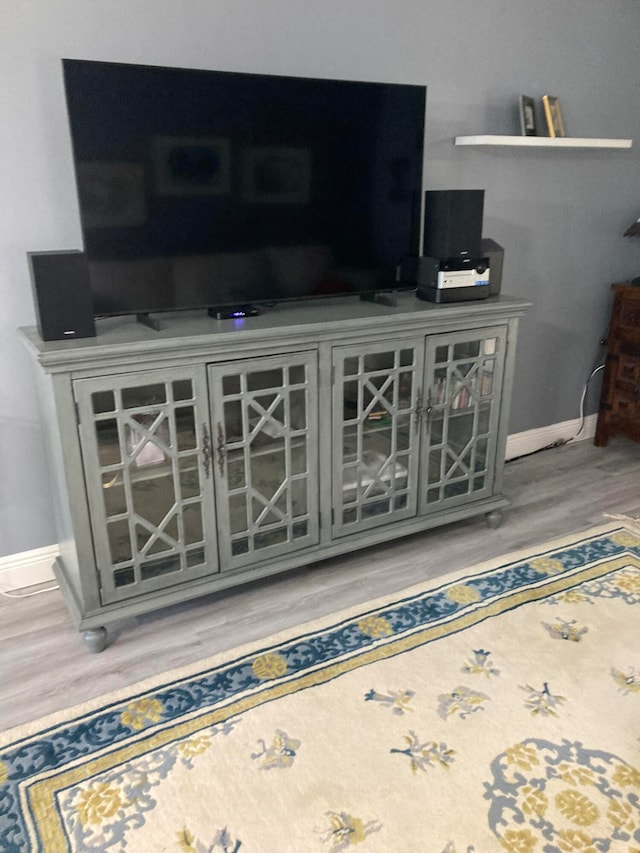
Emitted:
pixel 44 664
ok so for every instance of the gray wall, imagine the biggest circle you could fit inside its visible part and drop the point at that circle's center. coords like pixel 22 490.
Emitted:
pixel 559 214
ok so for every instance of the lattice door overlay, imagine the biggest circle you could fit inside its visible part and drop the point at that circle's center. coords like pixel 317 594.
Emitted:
pixel 148 500
pixel 462 397
pixel 266 456
pixel 377 407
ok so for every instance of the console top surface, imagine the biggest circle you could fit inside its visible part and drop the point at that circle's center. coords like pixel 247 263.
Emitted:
pixel 284 324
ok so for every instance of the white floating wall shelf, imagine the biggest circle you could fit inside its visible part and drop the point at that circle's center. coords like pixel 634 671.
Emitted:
pixel 542 142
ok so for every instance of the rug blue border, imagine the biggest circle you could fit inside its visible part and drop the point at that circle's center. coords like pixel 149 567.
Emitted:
pixel 53 748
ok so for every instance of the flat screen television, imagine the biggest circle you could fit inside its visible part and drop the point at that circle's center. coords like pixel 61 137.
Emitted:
pixel 211 188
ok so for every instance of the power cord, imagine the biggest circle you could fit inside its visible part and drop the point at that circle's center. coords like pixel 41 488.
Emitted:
pixel 6 594
pixel 582 399
pixel 562 441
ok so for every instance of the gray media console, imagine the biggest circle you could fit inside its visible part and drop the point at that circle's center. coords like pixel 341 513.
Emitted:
pixel 214 452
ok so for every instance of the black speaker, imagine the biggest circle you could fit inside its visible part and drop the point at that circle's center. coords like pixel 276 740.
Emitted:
pixel 62 295
pixel 453 223
pixel 495 253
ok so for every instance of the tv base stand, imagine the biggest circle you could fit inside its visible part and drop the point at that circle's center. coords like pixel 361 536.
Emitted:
pixel 150 322
pixel 379 299
pixel 221 453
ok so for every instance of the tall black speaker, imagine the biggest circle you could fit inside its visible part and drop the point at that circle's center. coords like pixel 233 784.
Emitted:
pixel 62 295
pixel 453 223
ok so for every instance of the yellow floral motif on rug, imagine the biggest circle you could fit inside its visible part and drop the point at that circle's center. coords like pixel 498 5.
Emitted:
pixel 496 709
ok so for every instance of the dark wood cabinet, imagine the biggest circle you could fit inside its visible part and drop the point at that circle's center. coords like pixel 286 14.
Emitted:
pixel 620 399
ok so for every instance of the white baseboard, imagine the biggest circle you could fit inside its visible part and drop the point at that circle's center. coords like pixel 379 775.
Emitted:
pixel 27 569
pixel 35 567
pixel 522 443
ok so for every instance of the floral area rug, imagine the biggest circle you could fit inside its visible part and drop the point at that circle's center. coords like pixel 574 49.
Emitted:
pixel 494 709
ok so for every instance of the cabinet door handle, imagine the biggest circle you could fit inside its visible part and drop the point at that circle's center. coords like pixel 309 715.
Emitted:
pixel 222 451
pixel 418 412
pixel 427 411
pixel 206 450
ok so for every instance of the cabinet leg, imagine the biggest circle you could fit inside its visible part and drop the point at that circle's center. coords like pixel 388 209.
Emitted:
pixel 494 518
pixel 602 433
pixel 95 639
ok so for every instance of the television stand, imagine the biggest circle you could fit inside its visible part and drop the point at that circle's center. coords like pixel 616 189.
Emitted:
pixel 233 312
pixel 379 299
pixel 149 321
pixel 223 453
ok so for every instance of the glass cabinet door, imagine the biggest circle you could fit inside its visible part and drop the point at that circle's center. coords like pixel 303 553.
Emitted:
pixel 146 450
pixel 463 384
pixel 265 420
pixel 376 436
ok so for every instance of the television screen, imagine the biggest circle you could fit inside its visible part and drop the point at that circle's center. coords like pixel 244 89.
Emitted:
pixel 211 188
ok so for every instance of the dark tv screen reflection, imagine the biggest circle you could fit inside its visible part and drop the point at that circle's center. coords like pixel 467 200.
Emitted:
pixel 211 189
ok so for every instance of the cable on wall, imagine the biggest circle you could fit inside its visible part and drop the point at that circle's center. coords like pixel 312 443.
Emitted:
pixel 6 594
pixel 562 441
